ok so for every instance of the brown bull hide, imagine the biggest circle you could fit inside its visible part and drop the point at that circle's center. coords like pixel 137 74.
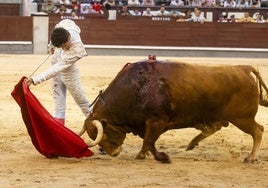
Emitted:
pixel 149 98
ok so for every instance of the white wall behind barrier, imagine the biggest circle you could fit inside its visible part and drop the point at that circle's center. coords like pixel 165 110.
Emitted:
pixel 40 33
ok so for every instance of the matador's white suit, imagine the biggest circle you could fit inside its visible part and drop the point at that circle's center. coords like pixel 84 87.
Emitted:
pixel 65 73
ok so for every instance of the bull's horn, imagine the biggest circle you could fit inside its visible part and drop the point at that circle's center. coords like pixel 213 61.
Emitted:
pixel 99 127
pixel 83 130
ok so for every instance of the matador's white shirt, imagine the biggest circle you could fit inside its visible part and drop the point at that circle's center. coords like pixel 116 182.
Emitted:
pixel 63 60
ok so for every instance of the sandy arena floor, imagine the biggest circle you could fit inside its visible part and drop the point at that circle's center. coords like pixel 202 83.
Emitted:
pixel 216 162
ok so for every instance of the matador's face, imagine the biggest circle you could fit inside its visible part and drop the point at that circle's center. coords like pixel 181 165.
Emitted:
pixel 67 45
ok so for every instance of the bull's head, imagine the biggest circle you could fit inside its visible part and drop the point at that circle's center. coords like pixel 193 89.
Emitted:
pixel 109 137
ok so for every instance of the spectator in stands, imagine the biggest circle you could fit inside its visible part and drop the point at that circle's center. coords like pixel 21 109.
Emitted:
pixel 162 2
pixel 39 4
pixel 87 9
pixel 75 5
pixel 76 8
pixel 38 1
pixel 218 3
pixel 255 4
pixel 135 12
pixel 75 2
pixel 133 3
pixel 176 3
pixel 49 7
pixel 243 3
pixel 181 17
pixel 85 1
pixel 185 16
pixel 84 7
pixel 147 12
pixel 109 2
pixel 259 19
pixel 233 19
pixel 222 18
pixel 197 16
pixel 187 3
pixel 188 14
pixel 229 4
pixel 63 10
pixel 207 3
pixel 264 3
pixel 175 13
pixel 162 12
pixel 121 2
pixel 97 6
pixel 65 2
pixel 74 15
pixel 148 3
pixel 246 18
pixel 124 11
pixel 196 3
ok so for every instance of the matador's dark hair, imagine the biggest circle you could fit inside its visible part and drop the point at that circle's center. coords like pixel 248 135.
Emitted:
pixel 59 36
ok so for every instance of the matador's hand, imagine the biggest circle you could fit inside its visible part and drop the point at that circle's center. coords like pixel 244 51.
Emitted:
pixel 29 82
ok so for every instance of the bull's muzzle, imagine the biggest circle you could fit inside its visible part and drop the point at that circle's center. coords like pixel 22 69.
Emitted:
pixel 116 151
pixel 99 127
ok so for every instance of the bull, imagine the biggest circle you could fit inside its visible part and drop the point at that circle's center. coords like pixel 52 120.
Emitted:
pixel 150 97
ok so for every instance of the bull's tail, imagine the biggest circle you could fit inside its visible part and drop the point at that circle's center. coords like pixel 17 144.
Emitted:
pixel 263 101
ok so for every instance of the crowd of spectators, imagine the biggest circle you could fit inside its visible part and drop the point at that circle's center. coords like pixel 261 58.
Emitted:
pixel 246 18
pixel 191 16
pixel 74 8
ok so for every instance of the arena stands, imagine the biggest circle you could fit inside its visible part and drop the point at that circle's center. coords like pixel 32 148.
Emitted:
pixel 211 10
pixel 173 29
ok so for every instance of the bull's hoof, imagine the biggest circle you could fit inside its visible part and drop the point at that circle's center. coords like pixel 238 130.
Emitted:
pixel 251 160
pixel 163 157
pixel 191 147
pixel 140 156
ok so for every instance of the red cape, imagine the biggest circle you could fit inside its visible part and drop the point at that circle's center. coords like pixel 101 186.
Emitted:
pixel 48 136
